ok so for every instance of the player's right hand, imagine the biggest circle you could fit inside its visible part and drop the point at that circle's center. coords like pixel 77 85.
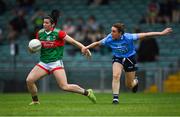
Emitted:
pixel 88 54
pixel 83 50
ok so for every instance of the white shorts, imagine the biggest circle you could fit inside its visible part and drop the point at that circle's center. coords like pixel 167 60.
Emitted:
pixel 52 66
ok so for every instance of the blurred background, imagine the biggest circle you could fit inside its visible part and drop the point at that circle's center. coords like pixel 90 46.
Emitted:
pixel 88 21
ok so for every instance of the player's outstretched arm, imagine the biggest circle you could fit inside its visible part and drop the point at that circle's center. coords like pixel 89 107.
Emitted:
pixel 93 45
pixel 151 34
pixel 79 45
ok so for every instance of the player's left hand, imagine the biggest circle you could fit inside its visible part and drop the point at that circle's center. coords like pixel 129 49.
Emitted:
pixel 166 31
pixel 86 52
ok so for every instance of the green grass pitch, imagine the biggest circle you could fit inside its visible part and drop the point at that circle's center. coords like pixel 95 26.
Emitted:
pixel 69 104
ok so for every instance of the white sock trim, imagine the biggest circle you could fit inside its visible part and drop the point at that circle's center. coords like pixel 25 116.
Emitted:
pixel 115 100
pixel 135 81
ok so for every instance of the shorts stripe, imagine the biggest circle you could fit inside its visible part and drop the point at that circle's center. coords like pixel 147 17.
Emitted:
pixel 43 68
pixel 57 68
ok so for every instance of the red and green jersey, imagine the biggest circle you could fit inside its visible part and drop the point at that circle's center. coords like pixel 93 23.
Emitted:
pixel 52 45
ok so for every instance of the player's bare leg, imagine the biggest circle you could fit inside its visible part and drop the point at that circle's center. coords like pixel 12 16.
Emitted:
pixel 131 81
pixel 61 79
pixel 35 74
pixel 117 71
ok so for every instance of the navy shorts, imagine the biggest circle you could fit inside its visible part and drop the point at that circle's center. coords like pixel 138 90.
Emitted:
pixel 129 63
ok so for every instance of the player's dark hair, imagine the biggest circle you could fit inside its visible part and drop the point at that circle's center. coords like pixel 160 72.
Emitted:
pixel 120 27
pixel 53 17
pixel 50 18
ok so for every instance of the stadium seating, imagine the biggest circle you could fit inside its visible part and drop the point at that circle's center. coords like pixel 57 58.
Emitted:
pixel 117 10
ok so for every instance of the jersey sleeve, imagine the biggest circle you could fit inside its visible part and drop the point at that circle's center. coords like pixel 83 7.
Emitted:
pixel 62 34
pixel 133 36
pixel 105 40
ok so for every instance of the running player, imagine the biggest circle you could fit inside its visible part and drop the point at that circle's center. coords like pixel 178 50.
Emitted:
pixel 124 52
pixel 51 55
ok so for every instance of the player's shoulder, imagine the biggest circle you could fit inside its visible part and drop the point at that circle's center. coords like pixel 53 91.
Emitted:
pixel 109 36
pixel 128 35
pixel 41 30
pixel 106 39
pixel 57 30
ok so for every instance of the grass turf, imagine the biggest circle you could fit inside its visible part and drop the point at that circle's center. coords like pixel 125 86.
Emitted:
pixel 69 104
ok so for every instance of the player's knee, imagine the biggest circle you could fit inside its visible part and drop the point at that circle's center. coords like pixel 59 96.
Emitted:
pixel 29 80
pixel 129 85
pixel 116 76
pixel 64 87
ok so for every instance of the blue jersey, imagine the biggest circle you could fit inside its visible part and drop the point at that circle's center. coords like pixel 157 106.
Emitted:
pixel 122 47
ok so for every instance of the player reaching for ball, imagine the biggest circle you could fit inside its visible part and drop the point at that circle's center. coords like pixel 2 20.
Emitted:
pixel 51 53
pixel 124 52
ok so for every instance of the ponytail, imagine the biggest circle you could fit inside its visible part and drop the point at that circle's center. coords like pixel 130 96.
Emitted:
pixel 53 17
